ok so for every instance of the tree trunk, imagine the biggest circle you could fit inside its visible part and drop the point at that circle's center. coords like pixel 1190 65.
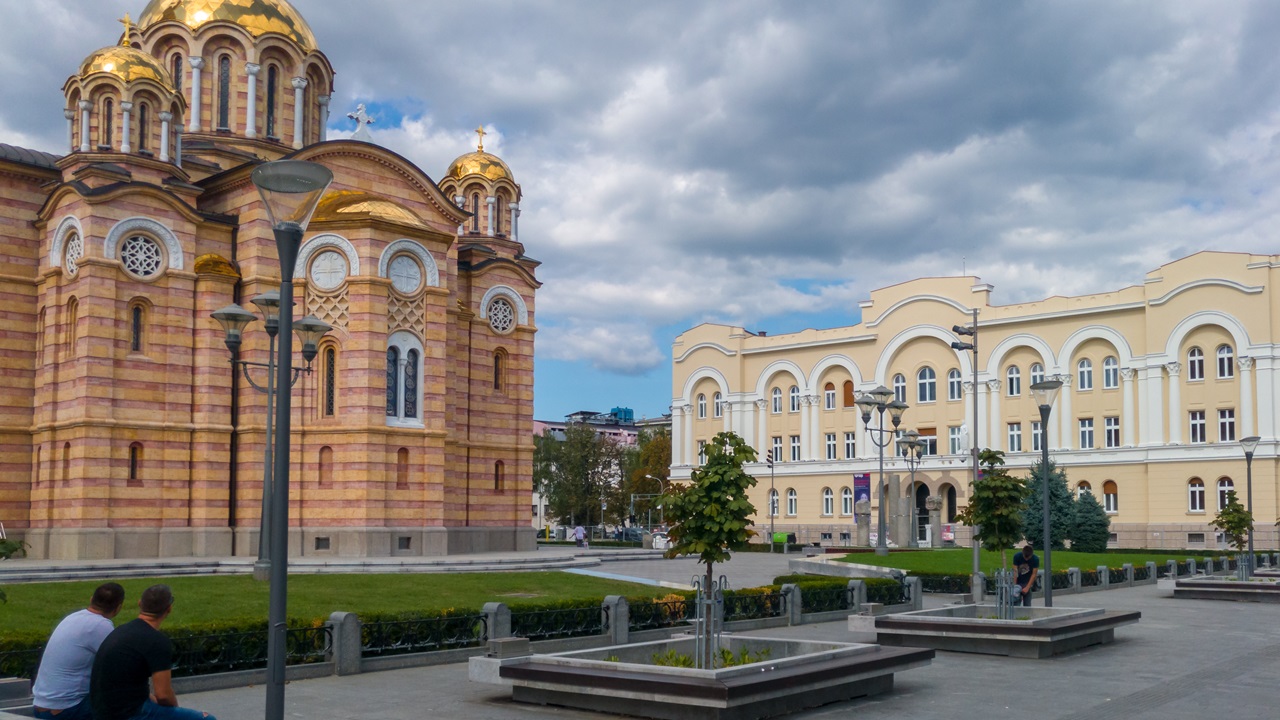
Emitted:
pixel 707 623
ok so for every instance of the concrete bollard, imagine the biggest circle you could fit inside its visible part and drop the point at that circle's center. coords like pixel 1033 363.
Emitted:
pixel 498 618
pixel 618 613
pixel 1173 567
pixel 1074 574
pixel 917 592
pixel 859 595
pixel 347 643
pixel 1151 572
pixel 1128 574
pixel 795 604
pixel 1104 577
pixel 978 586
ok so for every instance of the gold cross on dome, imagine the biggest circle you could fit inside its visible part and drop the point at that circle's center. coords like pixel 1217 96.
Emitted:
pixel 480 143
pixel 128 30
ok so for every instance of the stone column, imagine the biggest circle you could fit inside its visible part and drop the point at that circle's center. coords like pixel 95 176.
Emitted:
pixel 1245 364
pixel 806 429
pixel 1175 403
pixel 897 530
pixel 165 119
pixel 1128 420
pixel 515 221
pixel 251 102
pixel 492 203
pixel 1151 404
pixel 933 504
pixel 984 423
pixel 299 99
pixel 70 115
pixel 815 427
pixel 461 202
pixel 323 100
pixel 126 109
pixel 967 420
pixel 762 425
pixel 677 430
pixel 690 453
pixel 85 106
pixel 997 441
pixel 197 64
pixel 862 516
pixel 748 422
pixel 1066 438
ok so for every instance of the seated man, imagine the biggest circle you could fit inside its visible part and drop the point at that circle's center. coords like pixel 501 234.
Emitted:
pixel 130 656
pixel 62 683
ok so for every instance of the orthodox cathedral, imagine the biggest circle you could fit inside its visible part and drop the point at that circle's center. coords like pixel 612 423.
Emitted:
pixel 129 430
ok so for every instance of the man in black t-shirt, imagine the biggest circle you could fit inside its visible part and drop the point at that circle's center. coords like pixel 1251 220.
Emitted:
pixel 1028 566
pixel 132 655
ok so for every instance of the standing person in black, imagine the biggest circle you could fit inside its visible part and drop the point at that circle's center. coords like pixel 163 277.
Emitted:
pixel 1028 566
pixel 133 655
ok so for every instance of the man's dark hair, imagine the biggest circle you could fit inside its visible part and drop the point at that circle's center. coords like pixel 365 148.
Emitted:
pixel 1028 548
pixel 109 596
pixel 156 600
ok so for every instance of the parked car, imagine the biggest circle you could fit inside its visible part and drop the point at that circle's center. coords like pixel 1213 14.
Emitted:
pixel 660 541
pixel 629 534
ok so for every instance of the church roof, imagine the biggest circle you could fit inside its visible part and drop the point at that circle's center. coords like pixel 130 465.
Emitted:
pixel 257 17
pixel 13 153
pixel 126 63
pixel 352 204
pixel 479 163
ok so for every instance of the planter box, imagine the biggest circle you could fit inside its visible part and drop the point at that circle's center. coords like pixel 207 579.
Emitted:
pixel 1264 589
pixel 1036 633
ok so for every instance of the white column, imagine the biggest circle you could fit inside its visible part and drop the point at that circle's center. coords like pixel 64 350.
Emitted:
pixel 70 115
pixel 515 221
pixel 1066 420
pixel 690 452
pixel 126 108
pixel 165 119
pixel 1151 400
pixel 251 103
pixel 1175 402
pixel 967 420
pixel 323 100
pixel 492 202
pixel 1128 420
pixel 747 420
pixel 984 422
pixel 1269 392
pixel 197 64
pixel 677 431
pixel 816 450
pixel 461 202
pixel 762 427
pixel 299 97
pixel 1246 395
pixel 85 105
pixel 806 429
pixel 997 430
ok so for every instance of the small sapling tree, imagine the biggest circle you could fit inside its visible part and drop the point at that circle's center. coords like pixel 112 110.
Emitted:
pixel 1235 521
pixel 995 503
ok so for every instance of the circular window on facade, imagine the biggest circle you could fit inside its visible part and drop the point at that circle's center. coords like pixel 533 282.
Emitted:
pixel 328 270
pixel 502 317
pixel 74 251
pixel 405 274
pixel 142 257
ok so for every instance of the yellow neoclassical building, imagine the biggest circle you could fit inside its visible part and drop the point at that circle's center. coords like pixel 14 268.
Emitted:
pixel 1161 382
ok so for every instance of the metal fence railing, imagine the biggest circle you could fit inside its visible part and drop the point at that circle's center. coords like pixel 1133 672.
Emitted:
pixel 559 623
pixel 400 637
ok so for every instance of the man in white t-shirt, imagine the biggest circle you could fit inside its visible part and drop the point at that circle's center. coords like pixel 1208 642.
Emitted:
pixel 62 683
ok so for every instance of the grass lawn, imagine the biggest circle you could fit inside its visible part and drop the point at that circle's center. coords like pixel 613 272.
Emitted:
pixel 39 606
pixel 959 561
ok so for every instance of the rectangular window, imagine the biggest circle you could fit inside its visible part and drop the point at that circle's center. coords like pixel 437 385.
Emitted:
pixel 1037 436
pixel 831 446
pixel 1111 427
pixel 930 446
pixel 1195 538
pixel 1015 437
pixel 954 440
pixel 1086 433
pixel 777 449
pixel 850 446
pixel 702 452
pixel 795 448
pixel 1226 425
pixel 829 398
pixel 1111 502
pixel 1197 427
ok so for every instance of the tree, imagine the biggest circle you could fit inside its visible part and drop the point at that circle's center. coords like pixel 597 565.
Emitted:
pixel 575 473
pixel 995 503
pixel 1235 521
pixel 647 470
pixel 1062 512
pixel 1092 526
pixel 712 515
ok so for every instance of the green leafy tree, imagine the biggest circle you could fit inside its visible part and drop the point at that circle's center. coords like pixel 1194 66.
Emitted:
pixel 648 471
pixel 712 514
pixel 1092 526
pixel 996 503
pixel 575 472
pixel 1234 520
pixel 1062 511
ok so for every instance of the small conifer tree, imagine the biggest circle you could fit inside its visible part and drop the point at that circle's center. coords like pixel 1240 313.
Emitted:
pixel 1234 520
pixel 1061 507
pixel 1092 526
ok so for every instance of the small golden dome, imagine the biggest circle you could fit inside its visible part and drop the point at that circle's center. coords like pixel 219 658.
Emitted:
pixel 258 17
pixel 127 64
pixel 214 264
pixel 479 163
pixel 350 204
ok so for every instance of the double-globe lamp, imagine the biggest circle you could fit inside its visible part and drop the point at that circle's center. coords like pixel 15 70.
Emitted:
pixel 911 448
pixel 879 400
pixel 1044 393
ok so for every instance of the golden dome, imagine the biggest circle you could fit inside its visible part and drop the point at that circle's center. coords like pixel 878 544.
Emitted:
pixel 350 204
pixel 214 264
pixel 479 163
pixel 127 64
pixel 258 17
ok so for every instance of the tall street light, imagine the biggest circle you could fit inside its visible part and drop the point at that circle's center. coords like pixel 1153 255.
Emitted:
pixel 290 191
pixel 1249 444
pixel 912 446
pixel 879 401
pixel 1044 393
pixel 972 331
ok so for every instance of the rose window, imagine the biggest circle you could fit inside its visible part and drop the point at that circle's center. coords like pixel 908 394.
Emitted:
pixel 75 251
pixel 405 274
pixel 502 317
pixel 142 256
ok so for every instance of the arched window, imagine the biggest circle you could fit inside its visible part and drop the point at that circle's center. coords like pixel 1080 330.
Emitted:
pixel 926 385
pixel 72 331
pixel 955 385
pixel 224 93
pixel 1083 487
pixel 793 502
pixel 330 381
pixel 135 465
pixel 137 322
pixel 36 469
pixel 850 400
pixel 66 463
pixel 499 369
pixel 1110 373
pixel 1225 485
pixel 272 100
pixel 1226 362
pixel 1110 497
pixel 179 69
pixel 475 212
pixel 40 340
pixel 393 381
pixel 498 205
pixel 846 501
pixel 326 466
pixel 900 388
pixel 404 379
pixel 1195 495
pixel 717 405
pixel 402 469
pixel 702 406
pixel 411 384
pixel 1195 364
pixel 144 127
pixel 108 122
pixel 828 502
pixel 1037 373
pixel 498 481
pixel 773 503
pixel 794 396
pixel 777 400
pixel 829 396
pixel 1084 374
pixel 1013 381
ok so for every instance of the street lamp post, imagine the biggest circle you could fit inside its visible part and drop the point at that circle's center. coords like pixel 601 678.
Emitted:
pixel 1044 393
pixel 290 191
pixel 972 331
pixel 1250 444
pixel 912 446
pixel 879 401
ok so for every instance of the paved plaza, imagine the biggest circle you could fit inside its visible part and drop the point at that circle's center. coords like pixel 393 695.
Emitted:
pixel 1186 660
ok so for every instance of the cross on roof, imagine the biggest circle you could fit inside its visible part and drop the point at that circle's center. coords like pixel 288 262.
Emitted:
pixel 480 143
pixel 128 30
pixel 362 119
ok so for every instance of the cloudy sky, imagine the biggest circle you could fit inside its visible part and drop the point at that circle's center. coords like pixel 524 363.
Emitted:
pixel 770 163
